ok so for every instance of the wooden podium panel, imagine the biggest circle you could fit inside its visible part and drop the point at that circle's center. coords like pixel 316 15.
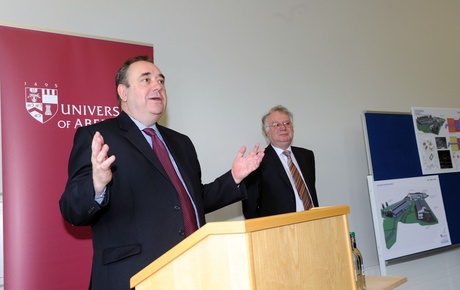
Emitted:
pixel 384 282
pixel 217 262
pixel 296 256
pixel 305 250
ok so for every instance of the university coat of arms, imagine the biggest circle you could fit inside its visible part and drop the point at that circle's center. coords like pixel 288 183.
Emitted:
pixel 41 103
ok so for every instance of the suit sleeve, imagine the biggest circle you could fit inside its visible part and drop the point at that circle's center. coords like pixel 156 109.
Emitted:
pixel 207 197
pixel 222 192
pixel 77 203
pixel 311 177
pixel 251 203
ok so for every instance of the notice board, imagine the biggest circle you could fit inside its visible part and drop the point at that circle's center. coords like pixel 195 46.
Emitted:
pixel 393 154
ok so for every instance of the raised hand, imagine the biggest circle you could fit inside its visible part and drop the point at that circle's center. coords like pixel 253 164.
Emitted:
pixel 102 173
pixel 242 166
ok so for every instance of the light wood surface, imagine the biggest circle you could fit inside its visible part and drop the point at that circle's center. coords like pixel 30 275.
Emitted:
pixel 305 250
pixel 384 282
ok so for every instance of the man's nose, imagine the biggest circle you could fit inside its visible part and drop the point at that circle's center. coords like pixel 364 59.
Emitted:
pixel 157 87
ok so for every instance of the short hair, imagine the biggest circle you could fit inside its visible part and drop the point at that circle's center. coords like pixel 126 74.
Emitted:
pixel 279 108
pixel 121 79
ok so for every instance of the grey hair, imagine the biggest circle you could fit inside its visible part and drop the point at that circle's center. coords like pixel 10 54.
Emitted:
pixel 279 108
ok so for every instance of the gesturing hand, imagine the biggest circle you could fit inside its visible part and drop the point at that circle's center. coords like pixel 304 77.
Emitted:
pixel 242 166
pixel 102 173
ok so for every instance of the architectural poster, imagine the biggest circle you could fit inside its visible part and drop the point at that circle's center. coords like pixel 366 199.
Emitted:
pixel 412 218
pixel 437 133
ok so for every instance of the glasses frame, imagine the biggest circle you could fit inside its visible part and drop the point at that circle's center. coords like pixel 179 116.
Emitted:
pixel 285 124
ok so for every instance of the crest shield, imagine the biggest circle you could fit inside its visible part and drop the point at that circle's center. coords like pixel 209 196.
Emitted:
pixel 41 103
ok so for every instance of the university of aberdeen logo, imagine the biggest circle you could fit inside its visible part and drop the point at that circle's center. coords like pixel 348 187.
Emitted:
pixel 41 103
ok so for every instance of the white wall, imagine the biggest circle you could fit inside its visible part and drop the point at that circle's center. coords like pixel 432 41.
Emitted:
pixel 228 62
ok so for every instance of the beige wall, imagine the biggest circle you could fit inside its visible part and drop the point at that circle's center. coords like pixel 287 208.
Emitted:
pixel 228 62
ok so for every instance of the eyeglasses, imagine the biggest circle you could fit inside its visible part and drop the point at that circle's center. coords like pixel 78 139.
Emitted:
pixel 276 125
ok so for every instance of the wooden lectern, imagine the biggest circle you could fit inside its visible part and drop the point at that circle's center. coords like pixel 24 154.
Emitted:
pixel 304 250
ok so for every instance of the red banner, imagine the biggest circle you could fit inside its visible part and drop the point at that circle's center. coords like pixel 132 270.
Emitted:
pixel 50 84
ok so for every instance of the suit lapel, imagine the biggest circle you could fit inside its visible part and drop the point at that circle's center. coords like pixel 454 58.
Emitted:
pixel 174 147
pixel 135 136
pixel 301 161
pixel 274 161
pixel 306 170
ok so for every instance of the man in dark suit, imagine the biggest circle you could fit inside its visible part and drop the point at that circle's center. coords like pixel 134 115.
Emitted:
pixel 271 188
pixel 125 193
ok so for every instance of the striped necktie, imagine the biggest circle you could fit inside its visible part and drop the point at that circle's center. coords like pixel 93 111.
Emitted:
pixel 298 181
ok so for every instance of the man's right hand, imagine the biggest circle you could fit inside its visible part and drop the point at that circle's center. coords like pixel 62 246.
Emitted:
pixel 102 173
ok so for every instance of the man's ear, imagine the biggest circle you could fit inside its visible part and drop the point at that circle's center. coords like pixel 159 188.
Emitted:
pixel 264 130
pixel 122 92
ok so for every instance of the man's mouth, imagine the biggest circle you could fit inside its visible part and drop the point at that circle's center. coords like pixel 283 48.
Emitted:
pixel 156 98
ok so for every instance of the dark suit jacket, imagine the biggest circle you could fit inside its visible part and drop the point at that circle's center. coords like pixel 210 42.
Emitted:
pixel 140 218
pixel 269 190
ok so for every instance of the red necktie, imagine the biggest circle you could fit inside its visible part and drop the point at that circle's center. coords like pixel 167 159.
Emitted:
pixel 298 181
pixel 187 207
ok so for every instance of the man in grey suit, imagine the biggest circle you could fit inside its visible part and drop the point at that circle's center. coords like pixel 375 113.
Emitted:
pixel 271 187
pixel 118 185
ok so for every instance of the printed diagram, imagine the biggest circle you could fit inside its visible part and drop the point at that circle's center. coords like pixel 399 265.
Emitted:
pixel 429 156
pixel 453 125
pixel 454 143
pixel 412 209
pixel 429 124
pixel 437 132
pixel 409 216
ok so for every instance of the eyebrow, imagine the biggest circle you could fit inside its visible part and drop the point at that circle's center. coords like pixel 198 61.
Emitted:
pixel 149 74
pixel 145 74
